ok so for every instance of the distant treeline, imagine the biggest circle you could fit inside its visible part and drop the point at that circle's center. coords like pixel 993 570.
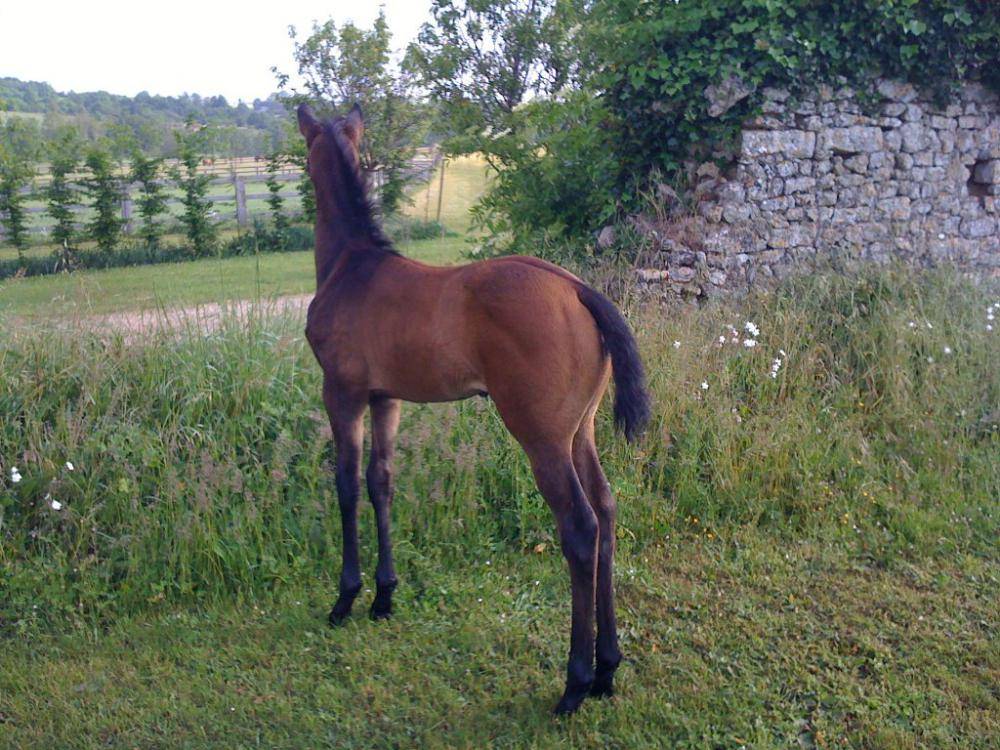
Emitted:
pixel 241 129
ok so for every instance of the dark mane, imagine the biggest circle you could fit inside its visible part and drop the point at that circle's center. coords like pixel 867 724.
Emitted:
pixel 358 209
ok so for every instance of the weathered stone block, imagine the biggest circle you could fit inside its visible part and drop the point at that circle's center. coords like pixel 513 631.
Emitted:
pixel 893 140
pixel 795 144
pixel 682 274
pixel 897 209
pixel 857 163
pixel 987 172
pixel 897 90
pixel 975 228
pixel 799 184
pixel 943 123
pixel 733 213
pixel 857 139
pixel 914 137
pixel 972 122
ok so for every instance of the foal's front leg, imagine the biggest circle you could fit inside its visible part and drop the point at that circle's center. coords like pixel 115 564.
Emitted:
pixel 346 421
pixel 385 423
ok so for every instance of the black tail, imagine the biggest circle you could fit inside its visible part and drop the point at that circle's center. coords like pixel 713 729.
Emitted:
pixel 632 407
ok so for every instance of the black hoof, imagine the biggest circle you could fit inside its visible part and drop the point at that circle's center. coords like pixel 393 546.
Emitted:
pixel 382 605
pixel 341 610
pixel 603 688
pixel 571 700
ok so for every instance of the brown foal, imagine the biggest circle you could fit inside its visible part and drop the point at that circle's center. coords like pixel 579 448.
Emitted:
pixel 530 335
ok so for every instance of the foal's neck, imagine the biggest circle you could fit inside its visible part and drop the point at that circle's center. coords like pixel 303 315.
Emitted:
pixel 338 251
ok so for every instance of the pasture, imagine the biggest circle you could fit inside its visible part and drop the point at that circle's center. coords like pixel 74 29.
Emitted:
pixel 211 280
pixel 804 560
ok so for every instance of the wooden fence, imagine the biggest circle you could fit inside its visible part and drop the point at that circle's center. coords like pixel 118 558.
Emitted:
pixel 241 173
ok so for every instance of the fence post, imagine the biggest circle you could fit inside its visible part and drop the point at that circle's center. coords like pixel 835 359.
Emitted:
pixel 127 211
pixel 444 161
pixel 241 202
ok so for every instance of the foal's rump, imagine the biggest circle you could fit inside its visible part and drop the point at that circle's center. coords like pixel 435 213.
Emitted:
pixel 544 339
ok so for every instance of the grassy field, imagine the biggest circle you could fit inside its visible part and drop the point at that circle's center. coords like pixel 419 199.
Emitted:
pixel 805 560
pixel 145 287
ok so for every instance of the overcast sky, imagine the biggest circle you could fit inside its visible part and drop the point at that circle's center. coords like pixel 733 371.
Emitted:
pixel 170 47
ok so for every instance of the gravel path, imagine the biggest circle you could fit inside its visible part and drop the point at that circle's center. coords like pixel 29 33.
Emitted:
pixel 203 316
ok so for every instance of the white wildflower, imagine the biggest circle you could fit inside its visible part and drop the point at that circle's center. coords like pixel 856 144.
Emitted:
pixel 782 352
pixel 677 345
pixel 56 505
pixel 722 339
pixel 947 350
pixel 749 343
pixel 704 385
pixel 69 466
pixel 930 360
pixel 15 475
pixel 989 327
pixel 911 324
pixel 752 329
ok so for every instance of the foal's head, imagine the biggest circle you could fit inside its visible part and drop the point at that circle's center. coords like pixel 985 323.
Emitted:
pixel 346 217
pixel 333 164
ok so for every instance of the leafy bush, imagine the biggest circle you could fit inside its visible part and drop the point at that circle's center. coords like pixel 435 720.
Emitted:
pixel 261 239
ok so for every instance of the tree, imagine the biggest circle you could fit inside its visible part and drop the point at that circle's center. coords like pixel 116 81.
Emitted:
pixel 61 193
pixel 481 59
pixel 296 154
pixel 104 188
pixel 152 199
pixel 343 66
pixel 275 201
pixel 18 152
pixel 197 221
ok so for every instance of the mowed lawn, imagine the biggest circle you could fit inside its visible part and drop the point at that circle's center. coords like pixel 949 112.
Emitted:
pixel 270 274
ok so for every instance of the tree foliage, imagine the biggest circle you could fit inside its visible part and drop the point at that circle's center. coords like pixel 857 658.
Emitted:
pixel 152 201
pixel 481 59
pixel 18 155
pixel 197 220
pixel 275 201
pixel 339 67
pixel 62 194
pixel 104 189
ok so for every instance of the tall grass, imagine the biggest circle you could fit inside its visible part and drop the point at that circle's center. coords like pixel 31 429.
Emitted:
pixel 200 462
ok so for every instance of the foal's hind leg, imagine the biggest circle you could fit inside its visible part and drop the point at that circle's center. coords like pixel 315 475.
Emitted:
pixel 385 422
pixel 346 420
pixel 577 525
pixel 588 467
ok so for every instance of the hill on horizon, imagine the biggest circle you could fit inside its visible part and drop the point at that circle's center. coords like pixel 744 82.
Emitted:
pixel 243 129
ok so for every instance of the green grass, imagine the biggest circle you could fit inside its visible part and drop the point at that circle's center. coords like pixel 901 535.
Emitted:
pixel 168 285
pixel 87 293
pixel 808 560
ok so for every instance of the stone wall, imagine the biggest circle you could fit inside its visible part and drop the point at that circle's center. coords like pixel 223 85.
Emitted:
pixel 835 175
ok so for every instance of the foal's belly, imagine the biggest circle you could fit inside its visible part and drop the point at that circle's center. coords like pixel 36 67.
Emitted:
pixel 426 386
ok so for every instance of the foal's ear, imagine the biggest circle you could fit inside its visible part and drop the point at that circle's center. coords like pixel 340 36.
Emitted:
pixel 354 126
pixel 308 124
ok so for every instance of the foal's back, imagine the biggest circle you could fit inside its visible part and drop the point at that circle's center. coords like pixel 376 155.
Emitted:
pixel 426 333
